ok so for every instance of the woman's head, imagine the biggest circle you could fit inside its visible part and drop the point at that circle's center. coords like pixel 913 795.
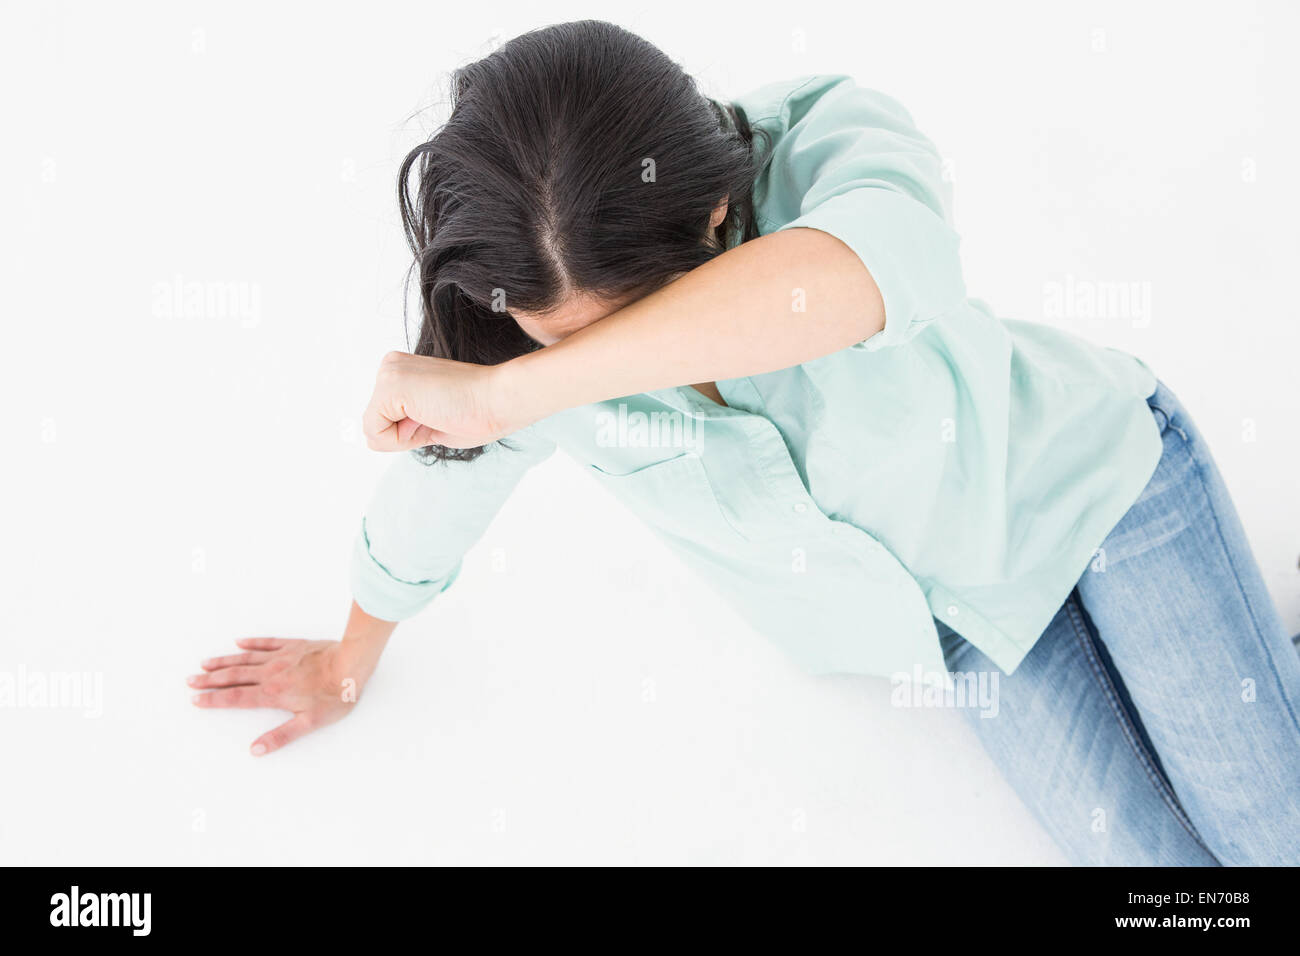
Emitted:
pixel 580 169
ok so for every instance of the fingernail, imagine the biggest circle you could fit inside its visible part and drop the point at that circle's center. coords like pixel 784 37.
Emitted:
pixel 259 749
pixel 208 661
pixel 192 679
pixel 196 698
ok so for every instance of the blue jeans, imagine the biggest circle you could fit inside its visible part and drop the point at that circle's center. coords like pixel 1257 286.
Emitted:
pixel 1155 721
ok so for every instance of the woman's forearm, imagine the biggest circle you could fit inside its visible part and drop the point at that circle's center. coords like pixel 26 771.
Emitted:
pixel 364 640
pixel 768 304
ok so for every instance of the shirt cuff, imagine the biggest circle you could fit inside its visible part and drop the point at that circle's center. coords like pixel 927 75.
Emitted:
pixel 381 594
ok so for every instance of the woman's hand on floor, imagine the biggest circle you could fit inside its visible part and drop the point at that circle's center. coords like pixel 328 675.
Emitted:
pixel 309 678
pixel 318 681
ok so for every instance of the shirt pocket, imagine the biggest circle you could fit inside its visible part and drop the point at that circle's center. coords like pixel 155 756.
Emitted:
pixel 675 498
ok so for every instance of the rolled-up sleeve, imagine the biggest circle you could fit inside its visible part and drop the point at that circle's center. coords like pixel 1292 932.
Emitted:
pixel 422 519
pixel 850 162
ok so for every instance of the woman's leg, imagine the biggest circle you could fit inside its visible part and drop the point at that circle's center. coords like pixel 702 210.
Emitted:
pixel 1064 740
pixel 1182 611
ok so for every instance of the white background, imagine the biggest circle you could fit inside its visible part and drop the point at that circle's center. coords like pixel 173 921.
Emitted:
pixel 171 483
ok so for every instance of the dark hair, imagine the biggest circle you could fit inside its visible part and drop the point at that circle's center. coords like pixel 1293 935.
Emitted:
pixel 577 158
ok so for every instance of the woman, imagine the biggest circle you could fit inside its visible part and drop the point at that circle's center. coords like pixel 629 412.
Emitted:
pixel 750 323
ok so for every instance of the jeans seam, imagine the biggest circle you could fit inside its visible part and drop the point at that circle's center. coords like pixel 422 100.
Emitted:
pixel 1241 590
pixel 1117 708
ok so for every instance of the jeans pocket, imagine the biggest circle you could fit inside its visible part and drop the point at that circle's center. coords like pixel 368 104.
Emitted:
pixel 1165 409
pixel 1161 416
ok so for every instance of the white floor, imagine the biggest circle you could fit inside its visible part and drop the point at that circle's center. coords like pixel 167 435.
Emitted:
pixel 175 479
pixel 587 702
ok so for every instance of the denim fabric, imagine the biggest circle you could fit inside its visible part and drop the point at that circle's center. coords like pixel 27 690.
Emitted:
pixel 1155 721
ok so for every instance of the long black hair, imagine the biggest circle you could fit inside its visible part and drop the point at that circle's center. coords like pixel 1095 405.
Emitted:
pixel 577 158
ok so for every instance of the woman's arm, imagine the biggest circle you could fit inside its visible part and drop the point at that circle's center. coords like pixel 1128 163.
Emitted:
pixel 859 201
pixel 773 302
pixel 768 304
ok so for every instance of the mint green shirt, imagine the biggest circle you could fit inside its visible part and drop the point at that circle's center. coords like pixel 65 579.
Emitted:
pixel 952 466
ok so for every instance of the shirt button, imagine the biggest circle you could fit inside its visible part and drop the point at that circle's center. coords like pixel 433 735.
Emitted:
pixel 952 610
pixel 800 507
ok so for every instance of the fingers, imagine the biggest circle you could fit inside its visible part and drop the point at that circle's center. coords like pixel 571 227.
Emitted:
pixel 228 677
pixel 381 438
pixel 381 425
pixel 250 696
pixel 385 422
pixel 411 435
pixel 285 734
pixel 406 435
pixel 261 643
pixel 407 429
pixel 234 660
